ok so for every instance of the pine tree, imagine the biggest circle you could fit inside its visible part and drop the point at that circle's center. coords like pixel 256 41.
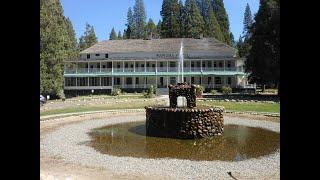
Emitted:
pixel 181 19
pixel 263 62
pixel 194 23
pixel 222 17
pixel 170 13
pixel 130 25
pixel 113 35
pixel 88 39
pixel 151 29
pixel 158 29
pixel 247 22
pixel 119 35
pixel 212 27
pixel 139 17
pixel 57 44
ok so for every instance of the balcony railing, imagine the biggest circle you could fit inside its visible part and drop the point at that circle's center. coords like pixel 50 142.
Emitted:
pixel 151 69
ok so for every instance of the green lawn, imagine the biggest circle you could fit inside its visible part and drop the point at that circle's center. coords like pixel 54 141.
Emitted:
pixel 244 106
pixel 122 105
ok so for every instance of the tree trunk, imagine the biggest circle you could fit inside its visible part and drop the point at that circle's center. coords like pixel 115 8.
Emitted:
pixel 263 87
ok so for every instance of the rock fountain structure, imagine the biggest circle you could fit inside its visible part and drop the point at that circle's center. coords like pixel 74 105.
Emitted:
pixel 183 122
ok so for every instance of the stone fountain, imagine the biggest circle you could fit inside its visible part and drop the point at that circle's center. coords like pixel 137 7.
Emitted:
pixel 183 122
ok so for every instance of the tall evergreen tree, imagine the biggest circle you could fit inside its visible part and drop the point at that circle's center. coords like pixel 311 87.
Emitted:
pixel 194 23
pixel 158 29
pixel 130 25
pixel 151 29
pixel 263 62
pixel 119 35
pixel 181 19
pixel 247 22
pixel 56 46
pixel 212 27
pixel 170 13
pixel 222 17
pixel 88 39
pixel 139 16
pixel 113 35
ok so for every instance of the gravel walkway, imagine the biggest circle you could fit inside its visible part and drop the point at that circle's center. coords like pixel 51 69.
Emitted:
pixel 69 142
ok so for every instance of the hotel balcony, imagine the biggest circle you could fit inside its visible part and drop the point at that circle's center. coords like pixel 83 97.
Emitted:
pixel 155 71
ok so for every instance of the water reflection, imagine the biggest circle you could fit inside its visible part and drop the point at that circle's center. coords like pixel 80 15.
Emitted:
pixel 236 144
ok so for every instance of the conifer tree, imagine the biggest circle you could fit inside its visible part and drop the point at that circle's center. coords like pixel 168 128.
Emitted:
pixel 212 27
pixel 194 23
pixel 57 44
pixel 222 17
pixel 139 17
pixel 113 35
pixel 170 13
pixel 151 29
pixel 119 35
pixel 130 25
pixel 263 61
pixel 158 29
pixel 247 22
pixel 88 39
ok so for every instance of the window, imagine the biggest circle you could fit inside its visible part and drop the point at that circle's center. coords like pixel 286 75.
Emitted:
pixel 131 65
pixel 209 80
pixel 88 56
pixel 82 81
pixel 217 80
pixel 94 81
pixel 203 64
pixel 106 55
pixel 70 81
pixel 229 64
pixel 161 81
pixel 214 64
pixel 91 66
pixel 172 80
pixel 229 80
pixel 220 64
pixel 184 79
pixel 106 81
pixel 109 64
pixel 116 81
pixel 172 64
pixel 97 55
pixel 126 65
pixel 192 80
pixel 209 63
pixel 137 80
pixel 153 65
pixel 148 64
pixel 161 64
pixel 129 80
pixel 198 63
pixel 103 66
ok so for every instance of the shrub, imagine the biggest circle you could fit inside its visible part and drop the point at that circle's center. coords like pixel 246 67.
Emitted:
pixel 199 90
pixel 115 91
pixel 213 92
pixel 226 90
pixel 150 92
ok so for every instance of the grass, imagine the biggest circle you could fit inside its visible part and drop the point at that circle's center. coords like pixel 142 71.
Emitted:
pixel 122 105
pixel 244 106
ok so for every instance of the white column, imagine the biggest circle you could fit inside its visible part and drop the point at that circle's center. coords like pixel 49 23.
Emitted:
pixel 167 82
pixel 156 82
pixel 134 81
pixel 145 81
pixel 100 69
pixel 224 65
pixel 201 66
pixel 122 66
pixel 145 66
pixel 76 67
pixel 134 66
pixel 112 68
pixel 88 81
pixel 112 80
pixel 88 67
pixel 156 67
pixel 76 82
pixel 190 66
pixel 167 67
pixel 100 81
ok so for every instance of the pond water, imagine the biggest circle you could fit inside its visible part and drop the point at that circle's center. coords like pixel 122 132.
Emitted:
pixel 237 143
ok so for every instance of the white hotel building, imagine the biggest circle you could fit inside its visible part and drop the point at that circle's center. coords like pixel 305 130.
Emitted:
pixel 136 64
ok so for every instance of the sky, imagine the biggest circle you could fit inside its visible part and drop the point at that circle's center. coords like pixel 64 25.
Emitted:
pixel 106 14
